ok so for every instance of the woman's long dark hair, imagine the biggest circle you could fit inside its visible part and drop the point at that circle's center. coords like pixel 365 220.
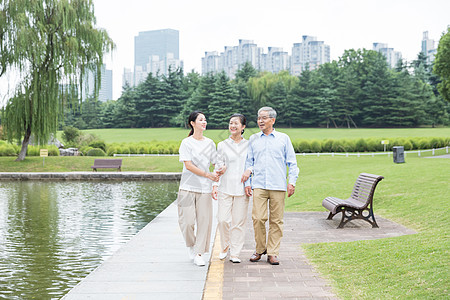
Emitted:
pixel 242 119
pixel 192 117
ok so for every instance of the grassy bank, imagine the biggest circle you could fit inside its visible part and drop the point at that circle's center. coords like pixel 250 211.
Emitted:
pixel 177 134
pixel 414 194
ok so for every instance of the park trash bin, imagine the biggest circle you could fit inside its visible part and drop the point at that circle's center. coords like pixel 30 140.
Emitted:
pixel 399 154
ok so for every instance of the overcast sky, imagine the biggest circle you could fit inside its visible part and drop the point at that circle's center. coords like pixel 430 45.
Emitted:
pixel 209 25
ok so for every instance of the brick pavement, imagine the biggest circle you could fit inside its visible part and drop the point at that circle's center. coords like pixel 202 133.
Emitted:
pixel 295 277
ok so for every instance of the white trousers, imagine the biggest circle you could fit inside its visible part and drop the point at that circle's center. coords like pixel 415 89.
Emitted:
pixel 231 217
pixel 195 208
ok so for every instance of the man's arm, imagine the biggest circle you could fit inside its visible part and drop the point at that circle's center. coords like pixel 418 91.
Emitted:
pixel 291 162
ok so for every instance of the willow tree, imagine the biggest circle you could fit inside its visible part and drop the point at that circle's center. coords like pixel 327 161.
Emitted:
pixel 48 46
pixel 442 65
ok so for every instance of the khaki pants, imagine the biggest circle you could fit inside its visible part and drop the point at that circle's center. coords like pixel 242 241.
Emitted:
pixel 260 216
pixel 231 217
pixel 195 208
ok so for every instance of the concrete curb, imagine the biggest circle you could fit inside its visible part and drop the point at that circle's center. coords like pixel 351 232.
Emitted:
pixel 4 176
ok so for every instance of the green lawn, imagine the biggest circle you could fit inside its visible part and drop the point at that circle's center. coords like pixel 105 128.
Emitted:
pixel 177 134
pixel 414 194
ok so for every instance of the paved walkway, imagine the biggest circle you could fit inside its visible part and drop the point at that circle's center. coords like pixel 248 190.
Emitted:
pixel 295 278
pixel 154 264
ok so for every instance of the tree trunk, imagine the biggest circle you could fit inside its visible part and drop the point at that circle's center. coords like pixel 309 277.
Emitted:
pixel 25 142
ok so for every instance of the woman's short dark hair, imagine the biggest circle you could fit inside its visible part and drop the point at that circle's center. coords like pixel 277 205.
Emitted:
pixel 192 117
pixel 242 119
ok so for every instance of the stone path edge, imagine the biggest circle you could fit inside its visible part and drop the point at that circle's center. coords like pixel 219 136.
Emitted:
pixel 23 176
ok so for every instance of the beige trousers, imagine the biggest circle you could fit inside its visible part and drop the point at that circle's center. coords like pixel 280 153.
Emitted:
pixel 195 209
pixel 275 199
pixel 231 217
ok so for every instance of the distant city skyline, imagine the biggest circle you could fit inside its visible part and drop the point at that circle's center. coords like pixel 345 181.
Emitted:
pixel 342 24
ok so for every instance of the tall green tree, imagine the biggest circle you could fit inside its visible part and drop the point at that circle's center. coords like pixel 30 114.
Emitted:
pixel 223 102
pixel 199 99
pixel 175 96
pixel 126 112
pixel 442 65
pixel 49 45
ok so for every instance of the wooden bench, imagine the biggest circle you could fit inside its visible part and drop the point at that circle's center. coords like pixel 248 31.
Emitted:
pixel 360 203
pixel 107 164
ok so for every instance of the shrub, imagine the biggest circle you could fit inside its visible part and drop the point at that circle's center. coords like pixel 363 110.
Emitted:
pixel 85 139
pixel 124 150
pixel 98 144
pixel 7 150
pixel 84 150
pixel 316 146
pixel 33 150
pixel 327 146
pixel 52 150
pixel 303 147
pixel 70 134
pixel 424 143
pixel 361 145
pixel 337 146
pixel 112 150
pixel 96 152
pixel 133 149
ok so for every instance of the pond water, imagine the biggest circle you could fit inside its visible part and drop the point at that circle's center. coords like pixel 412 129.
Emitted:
pixel 53 234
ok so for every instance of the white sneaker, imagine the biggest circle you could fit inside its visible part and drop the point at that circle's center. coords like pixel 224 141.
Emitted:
pixel 235 260
pixel 223 255
pixel 198 260
pixel 191 252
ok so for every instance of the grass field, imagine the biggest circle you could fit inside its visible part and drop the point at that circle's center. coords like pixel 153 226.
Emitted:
pixel 414 194
pixel 177 134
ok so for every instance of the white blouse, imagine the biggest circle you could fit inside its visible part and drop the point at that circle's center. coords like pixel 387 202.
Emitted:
pixel 232 155
pixel 202 154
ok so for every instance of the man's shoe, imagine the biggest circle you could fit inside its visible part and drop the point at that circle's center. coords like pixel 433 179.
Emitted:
pixel 273 260
pixel 199 261
pixel 257 256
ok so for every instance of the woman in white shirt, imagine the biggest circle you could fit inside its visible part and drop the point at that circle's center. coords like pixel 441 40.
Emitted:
pixel 233 203
pixel 197 152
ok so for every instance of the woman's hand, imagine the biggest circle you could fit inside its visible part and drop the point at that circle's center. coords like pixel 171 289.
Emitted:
pixel 212 176
pixel 246 176
pixel 221 170
pixel 214 192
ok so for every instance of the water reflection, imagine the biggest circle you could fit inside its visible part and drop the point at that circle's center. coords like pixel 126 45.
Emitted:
pixel 52 234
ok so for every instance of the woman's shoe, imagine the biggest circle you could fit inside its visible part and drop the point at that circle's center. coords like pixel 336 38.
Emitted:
pixel 199 261
pixel 235 260
pixel 223 255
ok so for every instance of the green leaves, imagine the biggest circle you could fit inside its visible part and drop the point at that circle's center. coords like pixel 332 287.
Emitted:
pixel 49 45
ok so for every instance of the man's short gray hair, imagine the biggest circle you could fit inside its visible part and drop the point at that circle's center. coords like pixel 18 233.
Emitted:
pixel 272 113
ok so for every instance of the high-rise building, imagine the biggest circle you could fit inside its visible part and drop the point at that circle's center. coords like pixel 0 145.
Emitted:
pixel 105 92
pixel 309 54
pixel 155 52
pixel 392 57
pixel 428 47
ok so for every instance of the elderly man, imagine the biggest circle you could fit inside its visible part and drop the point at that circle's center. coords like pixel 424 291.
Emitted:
pixel 269 153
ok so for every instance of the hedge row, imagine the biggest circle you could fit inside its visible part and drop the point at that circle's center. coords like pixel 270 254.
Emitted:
pixel 367 144
pixel 7 149
pixel 300 146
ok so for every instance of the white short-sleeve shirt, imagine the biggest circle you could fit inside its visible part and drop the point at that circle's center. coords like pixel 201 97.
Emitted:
pixel 233 155
pixel 202 154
